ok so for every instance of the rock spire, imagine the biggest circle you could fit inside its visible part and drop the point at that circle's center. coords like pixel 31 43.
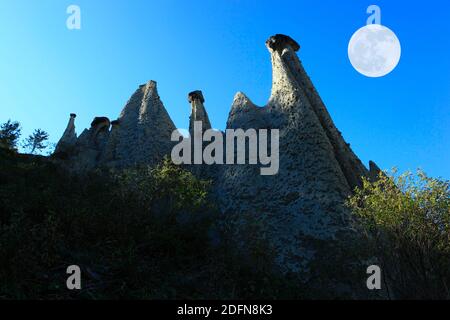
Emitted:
pixel 304 205
pixel 69 137
pixel 141 135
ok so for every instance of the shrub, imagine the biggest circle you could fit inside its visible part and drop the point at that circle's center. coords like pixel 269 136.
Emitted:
pixel 133 242
pixel 406 219
pixel 141 233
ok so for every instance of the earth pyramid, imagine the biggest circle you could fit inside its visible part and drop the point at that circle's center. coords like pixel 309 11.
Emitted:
pixel 294 211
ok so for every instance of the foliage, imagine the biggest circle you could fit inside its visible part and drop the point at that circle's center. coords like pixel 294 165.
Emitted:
pixel 36 142
pixel 155 233
pixel 9 135
pixel 406 219
pixel 142 233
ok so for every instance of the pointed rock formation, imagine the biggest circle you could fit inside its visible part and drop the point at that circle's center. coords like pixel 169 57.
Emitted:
pixel 109 154
pixel 302 206
pixel 285 49
pixel 141 135
pixel 198 111
pixel 198 114
pixel 85 153
pixel 143 130
pixel 69 138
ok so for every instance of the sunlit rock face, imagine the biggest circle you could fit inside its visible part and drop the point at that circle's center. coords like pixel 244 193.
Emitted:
pixel 69 137
pixel 199 115
pixel 141 135
pixel 302 206
pixel 142 132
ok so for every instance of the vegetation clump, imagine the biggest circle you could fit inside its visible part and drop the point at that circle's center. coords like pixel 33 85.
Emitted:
pixel 406 221
pixel 141 233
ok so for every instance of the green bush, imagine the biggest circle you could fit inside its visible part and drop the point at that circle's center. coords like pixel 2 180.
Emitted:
pixel 406 220
pixel 141 233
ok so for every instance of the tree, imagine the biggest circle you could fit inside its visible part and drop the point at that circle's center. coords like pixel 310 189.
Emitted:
pixel 406 220
pixel 36 141
pixel 9 135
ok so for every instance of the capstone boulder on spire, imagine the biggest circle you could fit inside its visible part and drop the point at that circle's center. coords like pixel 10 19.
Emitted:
pixel 280 41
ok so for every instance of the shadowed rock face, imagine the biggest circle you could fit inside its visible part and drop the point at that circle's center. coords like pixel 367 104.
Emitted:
pixel 199 114
pixel 69 137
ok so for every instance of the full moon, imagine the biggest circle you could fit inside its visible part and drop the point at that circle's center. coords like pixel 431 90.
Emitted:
pixel 374 50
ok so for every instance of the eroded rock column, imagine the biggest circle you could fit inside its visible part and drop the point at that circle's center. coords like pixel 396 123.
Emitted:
pixel 69 138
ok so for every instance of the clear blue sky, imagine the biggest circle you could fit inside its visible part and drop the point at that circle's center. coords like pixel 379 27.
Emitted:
pixel 403 119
